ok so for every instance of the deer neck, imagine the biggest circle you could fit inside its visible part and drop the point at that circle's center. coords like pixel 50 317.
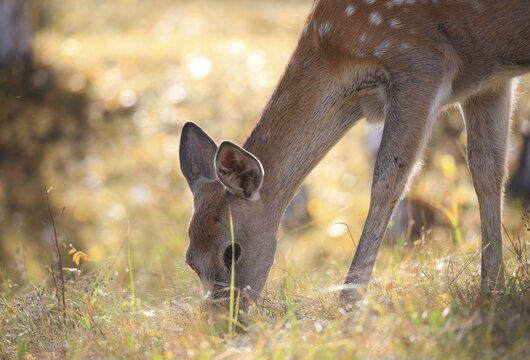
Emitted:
pixel 299 125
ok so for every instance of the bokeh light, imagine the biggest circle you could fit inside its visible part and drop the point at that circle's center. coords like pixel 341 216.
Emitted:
pixel 200 68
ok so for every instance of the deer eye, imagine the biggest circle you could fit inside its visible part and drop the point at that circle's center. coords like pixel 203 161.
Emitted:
pixel 227 257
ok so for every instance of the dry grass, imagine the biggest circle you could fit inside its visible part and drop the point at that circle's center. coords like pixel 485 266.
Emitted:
pixel 421 306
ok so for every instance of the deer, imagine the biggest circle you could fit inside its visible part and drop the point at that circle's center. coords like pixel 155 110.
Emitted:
pixel 396 63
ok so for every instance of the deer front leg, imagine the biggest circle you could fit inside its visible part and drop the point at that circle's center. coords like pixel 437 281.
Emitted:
pixel 487 117
pixel 407 124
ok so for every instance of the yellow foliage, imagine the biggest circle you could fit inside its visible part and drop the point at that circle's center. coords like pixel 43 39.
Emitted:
pixel 77 255
pixel 447 162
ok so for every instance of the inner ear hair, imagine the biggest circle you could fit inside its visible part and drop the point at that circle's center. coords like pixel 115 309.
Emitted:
pixel 240 171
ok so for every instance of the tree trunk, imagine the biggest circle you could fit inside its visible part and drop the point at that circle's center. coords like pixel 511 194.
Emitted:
pixel 15 45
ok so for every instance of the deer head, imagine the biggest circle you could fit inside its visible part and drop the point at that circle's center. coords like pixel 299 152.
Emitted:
pixel 219 178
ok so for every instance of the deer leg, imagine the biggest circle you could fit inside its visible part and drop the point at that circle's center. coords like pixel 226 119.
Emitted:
pixel 487 118
pixel 408 119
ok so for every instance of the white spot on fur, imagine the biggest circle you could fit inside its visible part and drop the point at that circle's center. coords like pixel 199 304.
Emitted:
pixel 395 23
pixel 266 136
pixel 476 5
pixel 323 29
pixel 369 1
pixel 305 29
pixel 282 99
pixel 381 49
pixel 375 18
pixel 350 9
pixel 362 38
pixel 392 3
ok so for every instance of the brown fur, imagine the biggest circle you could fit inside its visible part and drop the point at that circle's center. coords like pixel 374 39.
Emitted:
pixel 412 60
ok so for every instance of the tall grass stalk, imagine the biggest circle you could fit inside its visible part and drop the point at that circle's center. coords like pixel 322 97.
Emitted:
pixel 231 319
pixel 57 255
pixel 131 280
pixel 452 216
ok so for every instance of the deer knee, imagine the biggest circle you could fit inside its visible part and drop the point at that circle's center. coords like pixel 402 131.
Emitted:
pixel 386 192
pixel 391 180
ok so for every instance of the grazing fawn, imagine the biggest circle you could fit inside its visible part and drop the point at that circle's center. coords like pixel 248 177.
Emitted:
pixel 395 62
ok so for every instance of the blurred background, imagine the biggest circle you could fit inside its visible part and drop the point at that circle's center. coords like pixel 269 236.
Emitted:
pixel 93 95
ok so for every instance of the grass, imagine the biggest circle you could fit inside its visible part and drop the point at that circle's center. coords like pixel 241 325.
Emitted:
pixel 422 306
pixel 425 304
pixel 130 270
pixel 232 320
pixel 126 208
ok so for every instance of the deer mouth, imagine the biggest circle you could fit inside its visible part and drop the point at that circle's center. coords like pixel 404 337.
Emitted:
pixel 219 298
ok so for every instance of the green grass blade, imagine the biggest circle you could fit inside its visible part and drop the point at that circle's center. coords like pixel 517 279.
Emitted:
pixel 22 349
pixel 232 277
pixel 131 280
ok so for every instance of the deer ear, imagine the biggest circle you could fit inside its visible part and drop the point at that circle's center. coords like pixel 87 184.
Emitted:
pixel 238 170
pixel 197 153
